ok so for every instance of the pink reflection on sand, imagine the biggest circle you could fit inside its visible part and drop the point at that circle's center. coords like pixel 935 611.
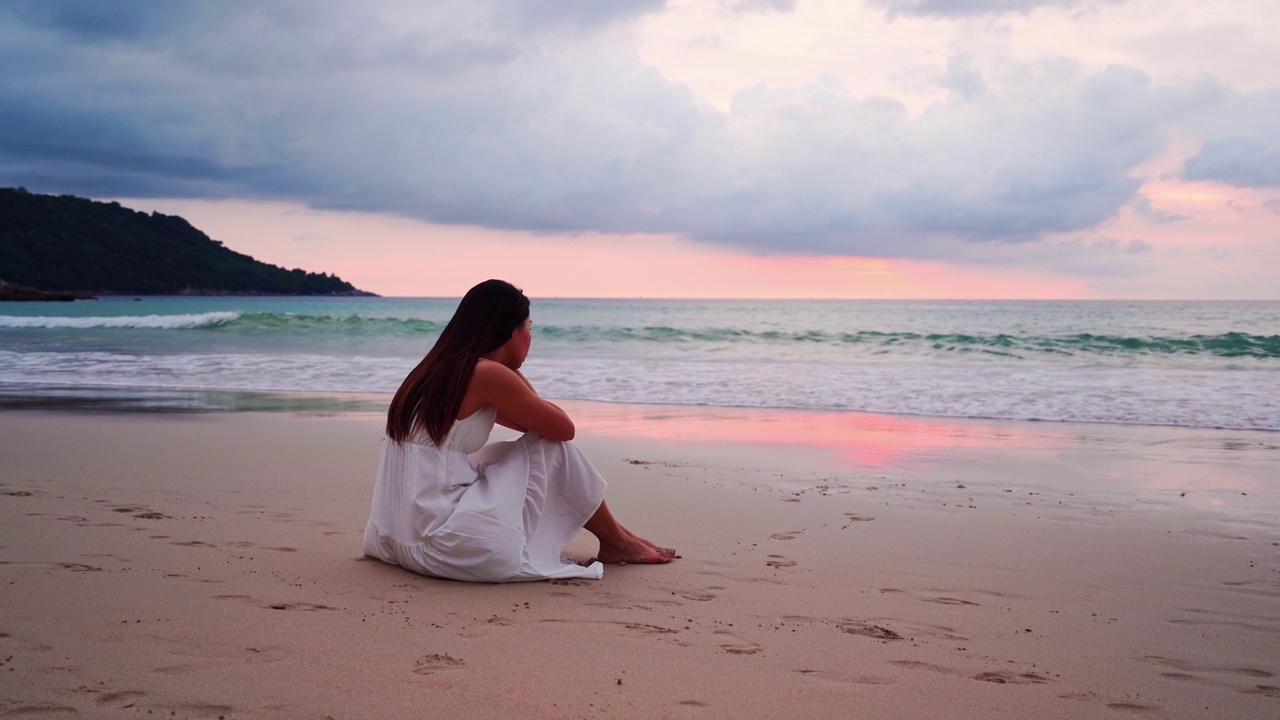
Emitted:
pixel 1189 467
pixel 859 439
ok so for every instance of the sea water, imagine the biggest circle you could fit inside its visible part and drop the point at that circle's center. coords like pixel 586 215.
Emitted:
pixel 1192 364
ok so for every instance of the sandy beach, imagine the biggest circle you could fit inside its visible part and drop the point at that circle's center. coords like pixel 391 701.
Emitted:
pixel 208 565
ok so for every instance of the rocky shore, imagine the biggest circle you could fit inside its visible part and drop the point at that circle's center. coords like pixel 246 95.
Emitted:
pixel 20 293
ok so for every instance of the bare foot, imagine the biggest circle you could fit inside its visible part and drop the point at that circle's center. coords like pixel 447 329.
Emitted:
pixel 632 549
pixel 653 546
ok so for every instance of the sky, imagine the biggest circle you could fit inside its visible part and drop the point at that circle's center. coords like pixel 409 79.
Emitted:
pixel 642 148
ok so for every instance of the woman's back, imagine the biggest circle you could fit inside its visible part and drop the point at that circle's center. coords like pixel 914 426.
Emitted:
pixel 467 435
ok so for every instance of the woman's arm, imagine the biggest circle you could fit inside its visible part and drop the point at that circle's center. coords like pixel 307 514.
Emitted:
pixel 535 392
pixel 519 407
pixel 507 422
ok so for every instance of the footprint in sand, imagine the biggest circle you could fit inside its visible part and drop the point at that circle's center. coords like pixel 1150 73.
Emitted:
pixel 704 595
pixel 940 599
pixel 1011 678
pixel 787 535
pixel 204 658
pixel 950 601
pixel 255 546
pixel 299 607
pixel 614 601
pixel 436 662
pixel 854 517
pixel 1189 667
pixel 879 632
pixel 1264 690
pixel 1133 708
pixel 78 567
pixel 778 561
pixel 184 576
pixel 646 629
pixel 123 699
pixel 738 646
pixel 1269 589
pixel 140 511
pixel 294 606
pixel 1000 677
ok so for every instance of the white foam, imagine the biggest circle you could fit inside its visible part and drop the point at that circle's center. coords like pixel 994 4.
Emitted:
pixel 1148 396
pixel 156 322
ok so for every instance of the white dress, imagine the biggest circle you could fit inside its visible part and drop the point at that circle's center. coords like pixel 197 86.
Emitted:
pixel 500 512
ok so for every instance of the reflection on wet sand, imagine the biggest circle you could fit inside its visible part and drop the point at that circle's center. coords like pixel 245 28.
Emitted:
pixel 1196 468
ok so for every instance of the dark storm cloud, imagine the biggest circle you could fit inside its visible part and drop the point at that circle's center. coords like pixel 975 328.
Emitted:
pixel 93 22
pixel 479 113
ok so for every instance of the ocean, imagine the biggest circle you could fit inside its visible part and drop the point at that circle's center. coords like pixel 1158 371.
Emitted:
pixel 1202 364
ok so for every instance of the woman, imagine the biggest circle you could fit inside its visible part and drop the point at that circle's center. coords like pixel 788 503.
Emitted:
pixel 448 505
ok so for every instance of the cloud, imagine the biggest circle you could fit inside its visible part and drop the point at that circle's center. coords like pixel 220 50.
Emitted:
pixel 119 21
pixel 1241 143
pixel 1099 257
pixel 753 6
pixel 1138 246
pixel 1053 151
pixel 1142 205
pixel 492 115
pixel 961 77
pixel 973 8
pixel 575 14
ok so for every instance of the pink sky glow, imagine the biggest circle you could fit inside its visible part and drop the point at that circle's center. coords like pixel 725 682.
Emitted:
pixel 396 256
pixel 403 257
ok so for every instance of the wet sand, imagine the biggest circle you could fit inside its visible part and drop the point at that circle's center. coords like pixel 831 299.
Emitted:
pixel 833 565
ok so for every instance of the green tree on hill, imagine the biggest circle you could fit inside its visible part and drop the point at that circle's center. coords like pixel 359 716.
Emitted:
pixel 67 243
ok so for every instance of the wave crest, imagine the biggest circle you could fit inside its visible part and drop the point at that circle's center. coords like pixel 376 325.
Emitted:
pixel 151 322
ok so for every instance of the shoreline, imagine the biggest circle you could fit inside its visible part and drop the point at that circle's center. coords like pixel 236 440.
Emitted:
pixel 108 398
pixel 207 564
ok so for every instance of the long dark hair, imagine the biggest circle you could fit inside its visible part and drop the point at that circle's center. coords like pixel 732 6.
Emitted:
pixel 430 397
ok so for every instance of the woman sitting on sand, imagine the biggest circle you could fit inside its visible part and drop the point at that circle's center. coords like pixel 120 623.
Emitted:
pixel 448 505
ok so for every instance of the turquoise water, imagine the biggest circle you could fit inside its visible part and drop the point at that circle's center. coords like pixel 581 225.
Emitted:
pixel 1196 364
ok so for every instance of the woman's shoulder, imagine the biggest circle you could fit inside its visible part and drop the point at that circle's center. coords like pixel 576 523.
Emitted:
pixel 491 372
pixel 490 383
pixel 489 367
